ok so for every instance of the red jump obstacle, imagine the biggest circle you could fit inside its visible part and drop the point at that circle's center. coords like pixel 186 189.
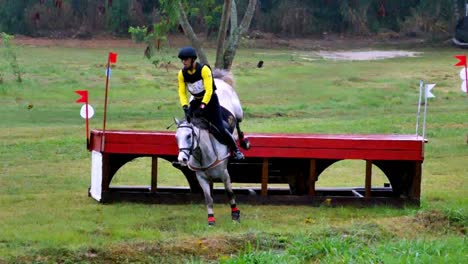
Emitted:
pixel 295 159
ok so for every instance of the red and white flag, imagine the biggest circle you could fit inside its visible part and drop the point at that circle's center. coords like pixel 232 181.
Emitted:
pixel 112 57
pixel 463 72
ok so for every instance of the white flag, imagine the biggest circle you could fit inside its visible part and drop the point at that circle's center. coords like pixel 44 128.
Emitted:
pixel 428 92
pixel 90 111
pixel 463 86
pixel 109 72
pixel 462 73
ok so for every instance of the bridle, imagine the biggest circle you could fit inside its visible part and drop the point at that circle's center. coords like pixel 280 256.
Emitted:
pixel 189 150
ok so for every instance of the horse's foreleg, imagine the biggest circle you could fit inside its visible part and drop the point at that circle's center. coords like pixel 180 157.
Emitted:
pixel 235 212
pixel 205 185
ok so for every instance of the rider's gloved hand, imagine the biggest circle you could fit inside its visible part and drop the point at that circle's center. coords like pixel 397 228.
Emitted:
pixel 200 110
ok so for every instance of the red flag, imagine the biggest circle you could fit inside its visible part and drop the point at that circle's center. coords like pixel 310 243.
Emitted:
pixel 112 57
pixel 462 60
pixel 84 96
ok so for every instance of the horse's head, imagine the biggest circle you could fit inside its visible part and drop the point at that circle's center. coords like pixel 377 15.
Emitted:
pixel 186 140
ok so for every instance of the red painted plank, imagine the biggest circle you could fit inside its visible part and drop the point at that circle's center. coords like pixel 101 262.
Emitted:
pixel 142 149
pixel 354 143
pixel 156 139
pixel 371 147
pixel 334 154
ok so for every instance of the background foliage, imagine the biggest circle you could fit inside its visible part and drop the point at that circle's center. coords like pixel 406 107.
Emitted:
pixel 84 18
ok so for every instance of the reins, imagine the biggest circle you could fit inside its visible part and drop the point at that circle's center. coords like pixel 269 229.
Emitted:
pixel 189 150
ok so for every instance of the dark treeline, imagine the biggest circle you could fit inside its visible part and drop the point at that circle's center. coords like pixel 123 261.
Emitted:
pixel 291 18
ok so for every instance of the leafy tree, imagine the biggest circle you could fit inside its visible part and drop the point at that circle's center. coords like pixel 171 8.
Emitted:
pixel 10 55
pixel 12 18
pixel 155 36
pixel 118 16
pixel 225 53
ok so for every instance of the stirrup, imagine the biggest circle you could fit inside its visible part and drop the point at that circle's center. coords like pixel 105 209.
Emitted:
pixel 238 155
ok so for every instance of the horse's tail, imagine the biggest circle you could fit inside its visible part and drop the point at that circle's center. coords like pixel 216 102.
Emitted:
pixel 224 75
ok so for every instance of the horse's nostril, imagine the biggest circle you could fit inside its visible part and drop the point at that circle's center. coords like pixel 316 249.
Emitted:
pixel 184 159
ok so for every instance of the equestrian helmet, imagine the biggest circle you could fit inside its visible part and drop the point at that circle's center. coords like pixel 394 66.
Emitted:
pixel 187 52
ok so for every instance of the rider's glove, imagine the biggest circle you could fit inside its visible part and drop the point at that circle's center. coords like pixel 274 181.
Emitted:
pixel 200 110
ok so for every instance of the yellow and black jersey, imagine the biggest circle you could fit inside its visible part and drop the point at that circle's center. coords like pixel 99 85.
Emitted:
pixel 198 81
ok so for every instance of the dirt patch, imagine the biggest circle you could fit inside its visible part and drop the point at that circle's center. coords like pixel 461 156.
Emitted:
pixel 424 222
pixel 367 55
pixel 98 42
pixel 441 222
pixel 309 48
pixel 254 40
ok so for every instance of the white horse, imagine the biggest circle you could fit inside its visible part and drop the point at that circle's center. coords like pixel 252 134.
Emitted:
pixel 204 154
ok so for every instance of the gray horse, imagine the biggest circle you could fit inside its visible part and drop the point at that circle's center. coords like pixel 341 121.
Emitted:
pixel 201 151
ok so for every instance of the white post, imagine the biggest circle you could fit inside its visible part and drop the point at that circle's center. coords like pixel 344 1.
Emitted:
pixel 95 189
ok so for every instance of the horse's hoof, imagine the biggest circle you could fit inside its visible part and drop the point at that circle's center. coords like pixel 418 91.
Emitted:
pixel 236 216
pixel 211 221
pixel 177 165
pixel 245 143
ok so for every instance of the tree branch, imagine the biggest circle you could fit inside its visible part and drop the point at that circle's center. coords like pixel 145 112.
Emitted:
pixel 245 24
pixel 240 30
pixel 222 33
pixel 188 31
pixel 233 16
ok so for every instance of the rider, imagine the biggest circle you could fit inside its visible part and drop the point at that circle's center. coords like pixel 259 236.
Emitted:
pixel 198 80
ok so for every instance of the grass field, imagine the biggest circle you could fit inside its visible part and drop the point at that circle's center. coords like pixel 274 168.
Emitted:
pixel 47 217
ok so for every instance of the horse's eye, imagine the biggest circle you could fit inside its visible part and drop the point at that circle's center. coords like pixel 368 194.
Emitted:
pixel 188 137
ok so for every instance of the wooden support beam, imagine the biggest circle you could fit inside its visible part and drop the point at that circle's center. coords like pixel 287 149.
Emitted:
pixel 416 183
pixel 368 185
pixel 356 193
pixel 154 174
pixel 265 177
pixel 312 176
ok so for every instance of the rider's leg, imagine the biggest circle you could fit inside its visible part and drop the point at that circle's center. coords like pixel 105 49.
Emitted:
pixel 231 142
pixel 213 114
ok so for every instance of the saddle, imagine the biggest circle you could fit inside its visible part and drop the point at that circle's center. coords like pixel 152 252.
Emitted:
pixel 229 122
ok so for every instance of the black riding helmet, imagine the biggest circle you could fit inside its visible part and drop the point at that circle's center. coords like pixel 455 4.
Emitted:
pixel 187 52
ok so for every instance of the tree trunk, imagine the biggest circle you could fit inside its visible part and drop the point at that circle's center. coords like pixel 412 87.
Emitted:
pixel 188 31
pixel 222 33
pixel 227 57
pixel 456 12
pixel 237 31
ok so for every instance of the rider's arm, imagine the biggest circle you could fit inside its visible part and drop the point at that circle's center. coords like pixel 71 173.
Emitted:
pixel 182 89
pixel 207 83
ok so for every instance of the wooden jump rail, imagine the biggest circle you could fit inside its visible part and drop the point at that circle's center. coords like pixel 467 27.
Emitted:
pixel 296 159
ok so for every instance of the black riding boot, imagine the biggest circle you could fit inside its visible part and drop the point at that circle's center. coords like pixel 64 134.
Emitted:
pixel 231 142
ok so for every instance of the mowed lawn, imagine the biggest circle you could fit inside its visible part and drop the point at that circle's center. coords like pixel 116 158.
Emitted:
pixel 46 215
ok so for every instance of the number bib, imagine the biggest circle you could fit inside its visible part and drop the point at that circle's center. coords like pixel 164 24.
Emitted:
pixel 196 87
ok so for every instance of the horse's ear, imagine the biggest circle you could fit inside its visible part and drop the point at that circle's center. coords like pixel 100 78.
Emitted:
pixel 176 121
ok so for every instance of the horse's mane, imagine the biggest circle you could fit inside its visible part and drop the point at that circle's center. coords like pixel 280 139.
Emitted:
pixel 224 75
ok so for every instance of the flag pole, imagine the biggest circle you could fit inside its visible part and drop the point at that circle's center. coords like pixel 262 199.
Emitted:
pixel 84 99
pixel 87 126
pixel 421 84
pixel 425 112
pixel 466 79
pixel 105 104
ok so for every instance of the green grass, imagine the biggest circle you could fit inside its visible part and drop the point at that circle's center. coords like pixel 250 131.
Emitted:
pixel 46 215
